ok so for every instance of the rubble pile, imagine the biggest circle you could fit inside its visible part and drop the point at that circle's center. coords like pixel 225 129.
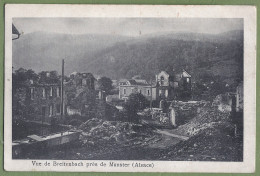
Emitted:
pixel 189 105
pixel 185 111
pixel 211 137
pixel 97 132
pixel 160 117
pixel 208 146
pixel 207 117
pixel 223 103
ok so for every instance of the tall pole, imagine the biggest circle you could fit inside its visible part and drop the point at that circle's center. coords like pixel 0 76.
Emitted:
pixel 62 90
pixel 151 101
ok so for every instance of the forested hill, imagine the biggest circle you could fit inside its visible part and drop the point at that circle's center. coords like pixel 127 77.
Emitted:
pixel 43 51
pixel 203 55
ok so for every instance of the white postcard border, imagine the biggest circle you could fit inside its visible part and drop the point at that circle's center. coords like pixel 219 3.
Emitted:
pixel 248 13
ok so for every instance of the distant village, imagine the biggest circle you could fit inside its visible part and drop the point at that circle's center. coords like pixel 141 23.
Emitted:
pixel 41 98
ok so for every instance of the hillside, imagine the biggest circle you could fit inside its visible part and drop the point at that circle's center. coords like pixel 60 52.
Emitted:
pixel 43 51
pixel 203 55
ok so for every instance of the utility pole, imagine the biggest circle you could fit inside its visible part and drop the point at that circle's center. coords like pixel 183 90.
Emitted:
pixel 151 100
pixel 62 90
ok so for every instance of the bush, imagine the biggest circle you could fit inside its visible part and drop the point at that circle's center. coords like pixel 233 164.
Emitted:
pixel 75 122
pixel 135 103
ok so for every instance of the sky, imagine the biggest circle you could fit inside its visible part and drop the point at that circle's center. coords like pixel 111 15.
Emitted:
pixel 126 26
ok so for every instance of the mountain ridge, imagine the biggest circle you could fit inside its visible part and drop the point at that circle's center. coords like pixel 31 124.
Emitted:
pixel 123 57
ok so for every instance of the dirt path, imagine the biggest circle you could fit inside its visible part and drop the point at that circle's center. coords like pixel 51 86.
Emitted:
pixel 165 132
pixel 168 139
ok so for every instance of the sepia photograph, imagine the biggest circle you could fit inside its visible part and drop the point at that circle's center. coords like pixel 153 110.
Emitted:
pixel 127 89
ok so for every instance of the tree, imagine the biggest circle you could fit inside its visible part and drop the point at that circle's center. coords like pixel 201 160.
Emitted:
pixel 197 90
pixel 135 102
pixel 105 84
pixel 85 101
pixel 22 76
pixel 218 87
pixel 49 77
pixel 21 81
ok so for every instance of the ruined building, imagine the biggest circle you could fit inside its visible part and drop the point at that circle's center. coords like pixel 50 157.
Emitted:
pixel 169 85
pixel 37 100
pixel 172 85
pixel 81 94
pixel 135 86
